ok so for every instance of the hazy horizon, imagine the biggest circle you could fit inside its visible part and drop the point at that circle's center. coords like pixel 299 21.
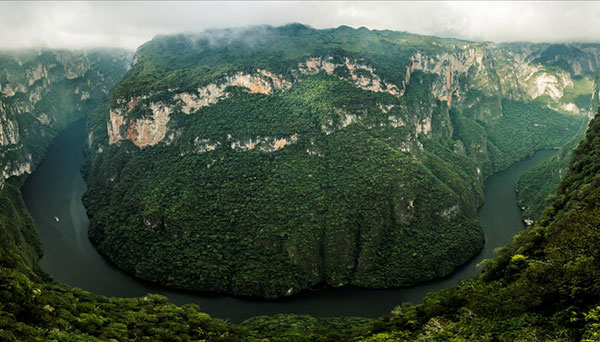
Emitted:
pixel 76 25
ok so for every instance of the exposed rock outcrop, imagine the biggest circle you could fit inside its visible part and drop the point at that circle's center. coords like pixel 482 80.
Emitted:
pixel 361 75
pixel 27 78
pixel 450 67
pixel 492 71
pixel 261 82
pixel 264 144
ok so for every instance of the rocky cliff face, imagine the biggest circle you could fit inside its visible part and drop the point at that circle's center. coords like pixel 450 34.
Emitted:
pixel 491 71
pixel 151 130
pixel 539 71
pixel 43 91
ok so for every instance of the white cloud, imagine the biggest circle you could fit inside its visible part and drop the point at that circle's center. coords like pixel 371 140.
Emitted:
pixel 129 24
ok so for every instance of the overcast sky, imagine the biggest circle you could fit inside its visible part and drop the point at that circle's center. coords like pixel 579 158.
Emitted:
pixel 129 24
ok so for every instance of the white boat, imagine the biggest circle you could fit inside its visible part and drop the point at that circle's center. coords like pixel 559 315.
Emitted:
pixel 56 218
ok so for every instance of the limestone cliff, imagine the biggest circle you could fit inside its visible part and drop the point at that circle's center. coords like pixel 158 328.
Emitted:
pixel 468 75
pixel 43 91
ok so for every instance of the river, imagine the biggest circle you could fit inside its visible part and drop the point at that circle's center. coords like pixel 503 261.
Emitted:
pixel 53 197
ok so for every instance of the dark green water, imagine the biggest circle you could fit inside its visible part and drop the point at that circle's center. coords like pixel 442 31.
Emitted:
pixel 54 191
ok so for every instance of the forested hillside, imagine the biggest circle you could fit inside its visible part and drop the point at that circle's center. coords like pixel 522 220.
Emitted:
pixel 267 160
pixel 542 287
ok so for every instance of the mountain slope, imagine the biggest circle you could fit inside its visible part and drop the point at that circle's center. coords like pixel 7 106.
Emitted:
pixel 269 160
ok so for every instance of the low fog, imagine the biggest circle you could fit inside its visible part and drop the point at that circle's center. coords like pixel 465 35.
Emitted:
pixel 129 24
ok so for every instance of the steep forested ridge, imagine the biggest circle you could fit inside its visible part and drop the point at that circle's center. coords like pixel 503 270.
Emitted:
pixel 543 286
pixel 267 160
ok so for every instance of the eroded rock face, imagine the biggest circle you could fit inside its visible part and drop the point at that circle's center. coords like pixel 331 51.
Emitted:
pixel 362 76
pixel 524 79
pixel 152 130
pixel 9 90
pixel 29 77
pixel 142 132
pixel 571 107
pixel 261 82
pixel 9 134
pixel 595 101
pixel 37 73
pixel 17 168
pixel 424 127
pixel 206 96
pixel 496 72
pixel 467 67
pixel 205 145
pixel 264 144
pixel 551 85
pixel 73 66
pixel 450 67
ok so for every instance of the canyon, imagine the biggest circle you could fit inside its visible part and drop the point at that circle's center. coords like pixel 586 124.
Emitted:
pixel 288 164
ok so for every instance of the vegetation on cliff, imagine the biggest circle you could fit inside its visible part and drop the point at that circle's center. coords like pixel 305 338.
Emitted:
pixel 543 286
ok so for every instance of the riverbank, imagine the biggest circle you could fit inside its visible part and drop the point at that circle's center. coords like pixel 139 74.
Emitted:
pixel 53 197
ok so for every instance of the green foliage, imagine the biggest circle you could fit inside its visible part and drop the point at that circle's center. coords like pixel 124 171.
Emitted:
pixel 257 223
pixel 356 200
pixel 537 185
pixel 527 127
pixel 36 311
pixel 305 328
pixel 542 286
pixel 19 245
